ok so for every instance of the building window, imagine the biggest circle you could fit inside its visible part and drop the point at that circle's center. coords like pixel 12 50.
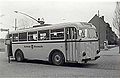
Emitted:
pixel 57 34
pixel 23 36
pixel 32 36
pixel 15 37
pixel 43 35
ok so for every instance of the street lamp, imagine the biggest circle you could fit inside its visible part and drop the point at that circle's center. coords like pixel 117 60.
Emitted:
pixel 39 21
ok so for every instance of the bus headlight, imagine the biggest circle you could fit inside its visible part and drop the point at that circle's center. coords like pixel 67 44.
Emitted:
pixel 84 54
pixel 97 51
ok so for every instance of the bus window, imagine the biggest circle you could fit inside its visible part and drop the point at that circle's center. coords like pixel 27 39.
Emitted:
pixel 80 33
pixel 23 36
pixel 57 34
pixel 32 36
pixel 68 33
pixel 92 33
pixel 83 33
pixel 43 35
pixel 87 33
pixel 15 37
pixel 71 33
pixel 74 33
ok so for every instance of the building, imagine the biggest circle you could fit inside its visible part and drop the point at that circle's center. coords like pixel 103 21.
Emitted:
pixel 110 35
pixel 2 45
pixel 106 33
pixel 100 25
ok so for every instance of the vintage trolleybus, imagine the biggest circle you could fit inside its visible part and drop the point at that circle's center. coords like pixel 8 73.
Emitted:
pixel 57 43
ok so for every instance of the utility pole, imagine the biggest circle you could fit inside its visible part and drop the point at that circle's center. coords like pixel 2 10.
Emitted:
pixel 15 23
pixel 99 29
pixel 119 40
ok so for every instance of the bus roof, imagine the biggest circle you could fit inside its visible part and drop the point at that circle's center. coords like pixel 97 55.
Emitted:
pixel 78 25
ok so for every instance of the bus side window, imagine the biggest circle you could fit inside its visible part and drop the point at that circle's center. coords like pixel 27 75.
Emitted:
pixel 43 35
pixel 23 36
pixel 57 34
pixel 15 37
pixel 32 36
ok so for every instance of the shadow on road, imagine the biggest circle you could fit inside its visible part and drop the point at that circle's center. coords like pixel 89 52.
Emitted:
pixel 90 65
pixel 78 65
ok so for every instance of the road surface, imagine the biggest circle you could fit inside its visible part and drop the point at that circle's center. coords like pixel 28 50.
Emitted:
pixel 107 66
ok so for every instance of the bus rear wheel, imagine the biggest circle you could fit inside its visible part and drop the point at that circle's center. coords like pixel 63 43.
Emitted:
pixel 58 58
pixel 19 56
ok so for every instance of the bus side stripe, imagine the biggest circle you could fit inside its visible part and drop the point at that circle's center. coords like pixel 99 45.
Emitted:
pixel 53 42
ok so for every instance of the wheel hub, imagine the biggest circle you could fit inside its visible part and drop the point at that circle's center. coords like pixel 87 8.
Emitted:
pixel 57 58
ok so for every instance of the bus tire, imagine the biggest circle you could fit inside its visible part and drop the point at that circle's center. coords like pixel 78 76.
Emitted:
pixel 19 56
pixel 58 58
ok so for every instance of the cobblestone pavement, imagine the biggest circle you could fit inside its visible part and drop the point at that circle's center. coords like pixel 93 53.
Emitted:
pixel 108 66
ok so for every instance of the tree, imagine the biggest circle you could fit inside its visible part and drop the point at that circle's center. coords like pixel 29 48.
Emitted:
pixel 116 20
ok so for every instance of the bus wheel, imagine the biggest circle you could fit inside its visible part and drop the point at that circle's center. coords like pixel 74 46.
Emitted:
pixel 58 58
pixel 19 56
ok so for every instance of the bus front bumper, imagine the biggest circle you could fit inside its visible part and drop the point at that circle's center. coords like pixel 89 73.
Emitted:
pixel 89 59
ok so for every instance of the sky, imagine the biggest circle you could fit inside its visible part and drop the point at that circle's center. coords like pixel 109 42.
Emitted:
pixel 53 11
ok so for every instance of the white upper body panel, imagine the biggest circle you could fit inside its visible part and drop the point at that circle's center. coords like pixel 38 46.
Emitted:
pixel 78 25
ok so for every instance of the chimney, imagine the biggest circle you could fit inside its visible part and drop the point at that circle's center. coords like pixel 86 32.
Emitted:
pixel 102 18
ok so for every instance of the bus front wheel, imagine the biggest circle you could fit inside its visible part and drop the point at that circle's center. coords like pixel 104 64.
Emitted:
pixel 57 58
pixel 19 56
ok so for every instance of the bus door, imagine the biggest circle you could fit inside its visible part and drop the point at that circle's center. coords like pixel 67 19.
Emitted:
pixel 71 36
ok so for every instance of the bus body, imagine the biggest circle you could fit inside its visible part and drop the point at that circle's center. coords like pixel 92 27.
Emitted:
pixel 58 43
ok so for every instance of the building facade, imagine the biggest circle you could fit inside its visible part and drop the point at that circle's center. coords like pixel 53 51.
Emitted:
pixel 110 35
pixel 106 33
pixel 2 45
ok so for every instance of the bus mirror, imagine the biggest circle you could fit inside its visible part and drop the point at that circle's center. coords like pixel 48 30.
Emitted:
pixel 7 42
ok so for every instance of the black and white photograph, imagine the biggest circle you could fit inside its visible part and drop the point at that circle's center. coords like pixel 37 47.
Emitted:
pixel 59 39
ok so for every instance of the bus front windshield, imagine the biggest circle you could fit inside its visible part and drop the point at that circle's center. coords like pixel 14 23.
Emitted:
pixel 88 33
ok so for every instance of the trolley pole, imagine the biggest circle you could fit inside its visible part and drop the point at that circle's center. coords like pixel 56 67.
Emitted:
pixel 41 22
